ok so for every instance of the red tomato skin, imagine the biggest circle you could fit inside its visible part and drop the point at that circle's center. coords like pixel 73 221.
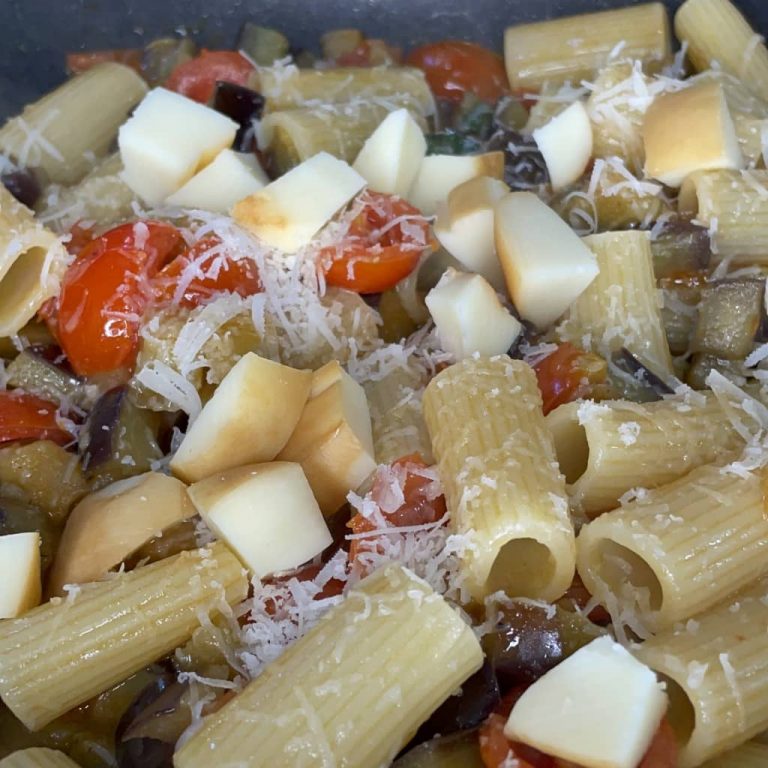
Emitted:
pixel 27 417
pixel 566 374
pixel 664 749
pixel 456 67
pixel 196 79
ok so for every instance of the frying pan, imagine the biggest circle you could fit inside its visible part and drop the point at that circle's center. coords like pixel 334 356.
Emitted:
pixel 35 34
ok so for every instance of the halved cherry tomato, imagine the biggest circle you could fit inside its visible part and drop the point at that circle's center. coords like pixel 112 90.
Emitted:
pixel 158 241
pixel 378 254
pixel 418 507
pixel 28 417
pixel 568 374
pixel 197 77
pixel 455 67
pixel 83 61
pixel 215 274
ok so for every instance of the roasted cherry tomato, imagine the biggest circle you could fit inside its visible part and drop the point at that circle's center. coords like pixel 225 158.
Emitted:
pixel 197 77
pixel 104 294
pixel 568 374
pixel 84 60
pixel 28 417
pixel 378 251
pixel 454 67
pixel 419 506
pixel 214 273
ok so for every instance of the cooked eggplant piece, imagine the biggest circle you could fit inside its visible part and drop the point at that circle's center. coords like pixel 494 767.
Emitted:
pixel 634 379
pixel 33 334
pixel 162 56
pixel 242 105
pixel 459 750
pixel 19 516
pixel 178 538
pixel 22 184
pixel 33 373
pixel 730 315
pixel 263 45
pixel 119 439
pixel 681 249
pixel 702 365
pixel 449 142
pixel 524 166
pixel 679 312
pixel 396 324
pixel 511 114
pixel 475 118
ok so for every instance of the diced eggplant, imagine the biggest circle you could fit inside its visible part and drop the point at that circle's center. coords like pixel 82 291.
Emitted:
pixel 32 372
pixel 681 249
pixel 449 142
pixel 180 537
pixel 635 380
pixel 702 365
pixel 22 184
pixel 17 515
pixel 340 42
pixel 119 439
pixel 475 118
pixel 262 44
pixel 459 750
pixel 396 323
pixel 679 312
pixel 730 315
pixel 33 334
pixel 162 56
pixel 524 165
pixel 244 106
pixel 511 114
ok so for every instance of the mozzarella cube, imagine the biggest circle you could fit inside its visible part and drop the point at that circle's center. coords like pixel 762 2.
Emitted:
pixel 546 265
pixel 248 420
pixel 690 130
pixel 439 174
pixel 227 180
pixel 290 211
pixel 168 139
pixel 266 514
pixel 464 226
pixel 333 440
pixel 599 708
pixel 19 573
pixel 390 158
pixel 326 376
pixel 565 143
pixel 469 316
pixel 109 524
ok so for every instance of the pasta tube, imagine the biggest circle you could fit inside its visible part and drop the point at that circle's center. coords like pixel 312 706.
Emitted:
pixel 65 132
pixel 606 448
pixel 717 675
pixel 620 308
pixel 717 33
pixel 749 755
pixel 690 544
pixel 37 757
pixel 734 205
pixel 61 654
pixel 288 88
pixel 396 416
pixel 32 261
pixel 355 688
pixel 502 485
pixel 575 47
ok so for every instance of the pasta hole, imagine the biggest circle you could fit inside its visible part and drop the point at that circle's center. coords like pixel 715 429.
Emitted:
pixel 571 447
pixel 619 568
pixel 681 713
pixel 21 282
pixel 523 568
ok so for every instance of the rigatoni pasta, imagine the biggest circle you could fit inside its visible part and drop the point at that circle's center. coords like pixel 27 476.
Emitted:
pixel 61 654
pixel 502 485
pixel 37 757
pixel 749 755
pixel 353 690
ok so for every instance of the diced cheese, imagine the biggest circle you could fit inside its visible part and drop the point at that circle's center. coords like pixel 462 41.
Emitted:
pixel 599 708
pixel 326 376
pixel 439 174
pixel 690 130
pixel 464 226
pixel 566 144
pixel 469 316
pixel 19 573
pixel 546 265
pixel 333 441
pixel 110 524
pixel 168 139
pixel 249 418
pixel 227 180
pixel 290 211
pixel 390 158
pixel 266 513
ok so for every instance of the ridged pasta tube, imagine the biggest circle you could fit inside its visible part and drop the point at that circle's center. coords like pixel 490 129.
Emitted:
pixel 61 654
pixel 353 690
pixel 37 757
pixel 717 675
pixel 749 755
pixel 502 484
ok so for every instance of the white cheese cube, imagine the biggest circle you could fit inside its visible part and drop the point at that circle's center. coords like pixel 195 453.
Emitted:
pixel 19 573
pixel 439 174
pixel 546 265
pixel 469 316
pixel 390 158
pixel 109 524
pixel 228 179
pixel 168 139
pixel 464 226
pixel 290 211
pixel 690 130
pixel 565 143
pixel 248 420
pixel 266 514
pixel 333 440
pixel 599 708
